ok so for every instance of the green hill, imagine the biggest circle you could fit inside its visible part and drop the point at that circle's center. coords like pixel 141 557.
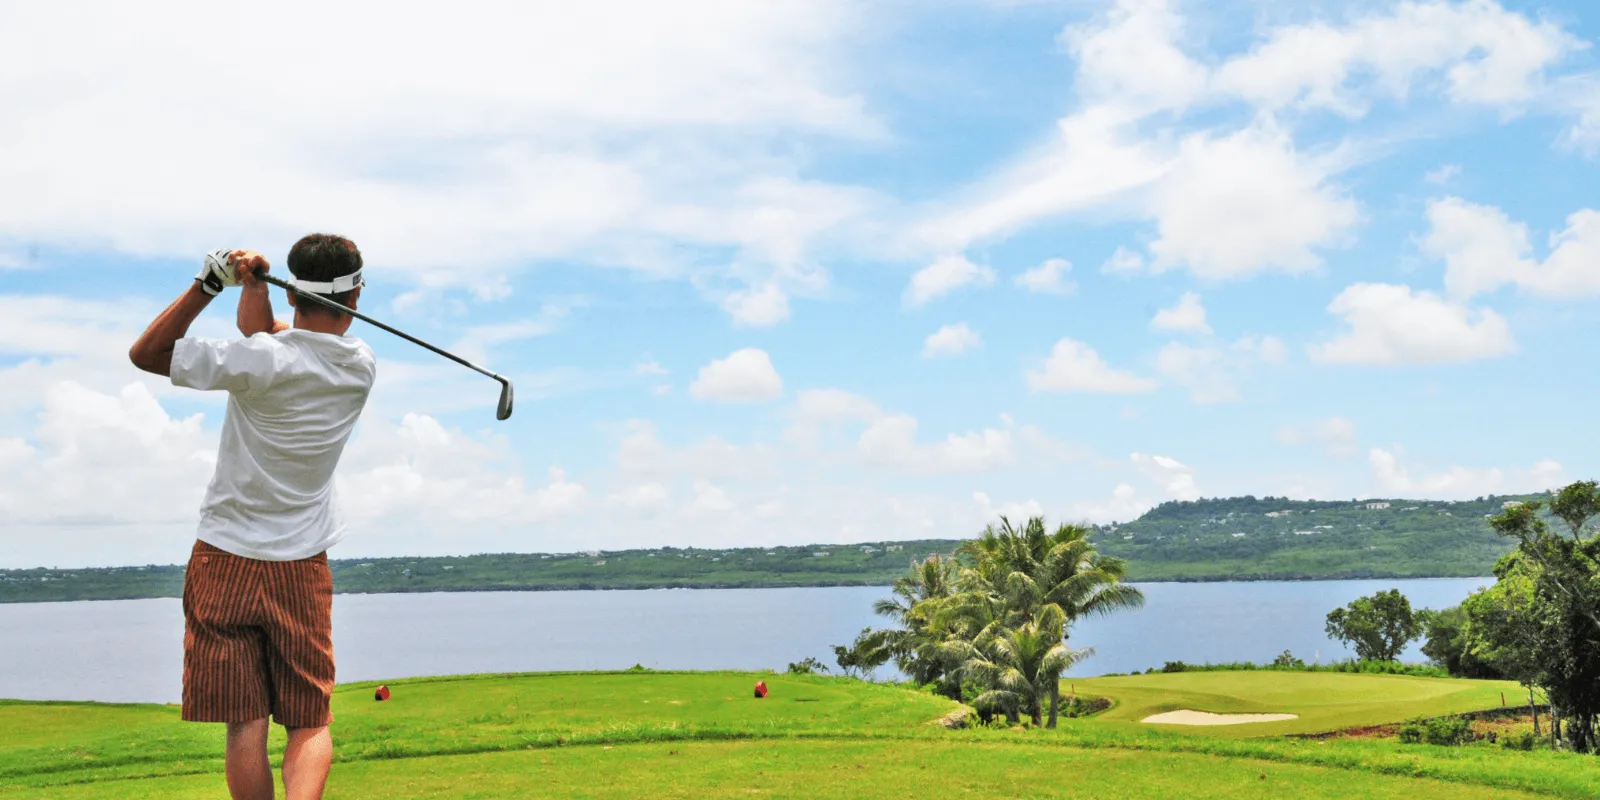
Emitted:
pixel 1277 538
pixel 1240 538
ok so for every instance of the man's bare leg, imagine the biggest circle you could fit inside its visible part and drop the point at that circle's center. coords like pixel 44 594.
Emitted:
pixel 306 761
pixel 249 773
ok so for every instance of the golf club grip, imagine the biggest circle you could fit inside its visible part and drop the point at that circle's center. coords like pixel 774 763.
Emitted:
pixel 283 284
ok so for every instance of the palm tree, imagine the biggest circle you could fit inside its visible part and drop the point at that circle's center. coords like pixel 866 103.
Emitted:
pixel 914 604
pixel 1023 666
pixel 1028 582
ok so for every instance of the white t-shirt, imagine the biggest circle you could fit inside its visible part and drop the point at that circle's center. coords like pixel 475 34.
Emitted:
pixel 293 398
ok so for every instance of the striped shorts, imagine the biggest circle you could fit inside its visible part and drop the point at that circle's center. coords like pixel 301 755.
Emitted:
pixel 258 639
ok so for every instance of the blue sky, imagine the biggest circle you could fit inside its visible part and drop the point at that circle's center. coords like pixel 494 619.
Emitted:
pixel 808 272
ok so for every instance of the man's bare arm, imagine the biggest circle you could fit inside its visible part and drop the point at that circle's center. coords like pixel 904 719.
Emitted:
pixel 255 304
pixel 153 351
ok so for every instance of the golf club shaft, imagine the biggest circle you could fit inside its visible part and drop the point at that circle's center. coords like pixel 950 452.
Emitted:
pixel 283 284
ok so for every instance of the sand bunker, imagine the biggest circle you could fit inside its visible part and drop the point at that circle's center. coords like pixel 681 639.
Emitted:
pixel 1207 718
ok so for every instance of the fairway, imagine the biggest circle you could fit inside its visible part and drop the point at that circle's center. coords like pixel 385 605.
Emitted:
pixel 825 769
pixel 1320 701
pixel 692 735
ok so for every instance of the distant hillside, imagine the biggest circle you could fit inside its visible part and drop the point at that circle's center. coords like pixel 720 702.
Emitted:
pixel 863 564
pixel 1241 538
pixel 1277 538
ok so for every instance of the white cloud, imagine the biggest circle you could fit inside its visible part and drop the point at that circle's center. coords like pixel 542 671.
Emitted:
pixel 1014 511
pixel 891 441
pixel 644 498
pixel 649 367
pixel 1483 250
pixel 744 376
pixel 1175 478
pixel 1388 324
pixel 664 129
pixel 642 454
pixel 950 340
pixel 1443 175
pixel 1247 203
pixel 1048 278
pixel 1487 55
pixel 1075 367
pixel 1456 482
pixel 1211 372
pixel 708 497
pixel 1188 316
pixel 1123 262
pixel 944 276
pixel 758 308
pixel 1124 504
pixel 1336 435
pixel 1133 60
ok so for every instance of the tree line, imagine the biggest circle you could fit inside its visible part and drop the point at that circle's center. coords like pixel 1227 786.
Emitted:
pixel 1539 624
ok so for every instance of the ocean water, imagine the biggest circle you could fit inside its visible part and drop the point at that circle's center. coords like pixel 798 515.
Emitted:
pixel 132 650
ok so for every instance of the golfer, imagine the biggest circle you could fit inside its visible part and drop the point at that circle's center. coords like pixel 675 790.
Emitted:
pixel 258 597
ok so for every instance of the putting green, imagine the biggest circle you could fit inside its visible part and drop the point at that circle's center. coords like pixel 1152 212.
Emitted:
pixel 823 769
pixel 1320 701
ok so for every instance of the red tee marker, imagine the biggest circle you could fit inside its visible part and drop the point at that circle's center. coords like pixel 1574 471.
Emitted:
pixel 381 694
pixel 761 689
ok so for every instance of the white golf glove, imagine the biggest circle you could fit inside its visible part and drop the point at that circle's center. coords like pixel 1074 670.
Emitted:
pixel 216 272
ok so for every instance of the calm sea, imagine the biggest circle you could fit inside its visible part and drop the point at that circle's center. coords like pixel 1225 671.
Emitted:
pixel 132 650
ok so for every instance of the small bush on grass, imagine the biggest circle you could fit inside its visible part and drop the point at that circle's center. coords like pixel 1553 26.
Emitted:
pixel 1083 706
pixel 809 666
pixel 1519 741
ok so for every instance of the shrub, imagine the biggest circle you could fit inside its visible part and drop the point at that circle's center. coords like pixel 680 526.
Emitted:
pixel 809 666
pixel 1411 733
pixel 1084 706
pixel 1287 659
pixel 1174 666
pixel 1447 731
pixel 1519 741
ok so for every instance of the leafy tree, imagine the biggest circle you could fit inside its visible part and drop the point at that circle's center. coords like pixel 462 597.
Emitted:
pixel 1379 626
pixel 1287 659
pixel 863 656
pixel 1445 643
pixel 1553 622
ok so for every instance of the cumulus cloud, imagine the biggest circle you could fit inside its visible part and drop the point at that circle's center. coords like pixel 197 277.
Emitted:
pixel 950 340
pixel 1132 59
pixel 1049 277
pixel 1336 435
pixel 944 276
pixel 1175 478
pixel 1017 512
pixel 1075 367
pixel 1388 324
pixel 891 441
pixel 1487 54
pixel 1247 203
pixel 758 308
pixel 1123 262
pixel 1212 371
pixel 1456 482
pixel 1188 316
pixel 744 376
pixel 1483 250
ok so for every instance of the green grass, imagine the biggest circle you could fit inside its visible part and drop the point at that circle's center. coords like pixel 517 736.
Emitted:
pixel 1323 701
pixel 702 735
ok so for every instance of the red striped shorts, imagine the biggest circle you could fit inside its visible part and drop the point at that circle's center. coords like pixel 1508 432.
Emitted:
pixel 258 639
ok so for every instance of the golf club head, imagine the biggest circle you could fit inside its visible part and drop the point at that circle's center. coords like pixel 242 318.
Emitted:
pixel 504 410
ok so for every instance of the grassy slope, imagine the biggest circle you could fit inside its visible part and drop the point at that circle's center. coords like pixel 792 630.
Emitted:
pixel 1324 701
pixel 547 735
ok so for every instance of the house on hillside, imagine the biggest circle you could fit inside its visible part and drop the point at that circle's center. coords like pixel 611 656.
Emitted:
pixel 1377 506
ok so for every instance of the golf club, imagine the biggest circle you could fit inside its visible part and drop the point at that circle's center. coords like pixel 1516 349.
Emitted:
pixel 503 411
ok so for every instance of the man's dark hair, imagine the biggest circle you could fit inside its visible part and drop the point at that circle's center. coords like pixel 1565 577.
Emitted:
pixel 322 257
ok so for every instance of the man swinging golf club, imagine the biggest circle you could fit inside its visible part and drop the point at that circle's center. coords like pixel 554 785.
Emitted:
pixel 258 596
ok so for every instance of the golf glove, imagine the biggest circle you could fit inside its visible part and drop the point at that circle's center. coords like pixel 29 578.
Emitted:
pixel 216 272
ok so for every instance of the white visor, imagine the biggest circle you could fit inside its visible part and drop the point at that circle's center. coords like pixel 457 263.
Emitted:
pixel 339 285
